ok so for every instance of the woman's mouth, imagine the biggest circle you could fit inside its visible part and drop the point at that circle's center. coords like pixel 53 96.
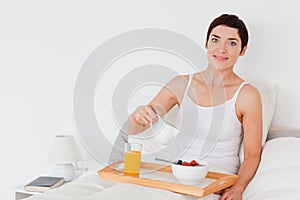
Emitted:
pixel 220 58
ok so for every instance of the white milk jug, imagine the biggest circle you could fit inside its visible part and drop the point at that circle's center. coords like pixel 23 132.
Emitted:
pixel 162 132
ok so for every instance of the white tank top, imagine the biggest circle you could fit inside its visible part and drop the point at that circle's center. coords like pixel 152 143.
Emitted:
pixel 210 134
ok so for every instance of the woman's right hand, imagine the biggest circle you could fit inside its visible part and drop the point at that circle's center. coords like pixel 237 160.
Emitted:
pixel 143 115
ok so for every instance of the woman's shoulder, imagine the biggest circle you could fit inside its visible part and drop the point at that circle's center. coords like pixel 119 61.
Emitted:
pixel 249 88
pixel 180 80
pixel 249 94
pixel 178 85
pixel 246 87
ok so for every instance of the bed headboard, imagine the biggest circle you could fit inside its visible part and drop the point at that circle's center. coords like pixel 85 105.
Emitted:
pixel 276 132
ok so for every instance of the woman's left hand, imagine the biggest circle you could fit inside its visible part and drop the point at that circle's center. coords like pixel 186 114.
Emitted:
pixel 233 193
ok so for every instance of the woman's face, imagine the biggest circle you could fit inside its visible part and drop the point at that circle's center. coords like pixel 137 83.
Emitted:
pixel 224 47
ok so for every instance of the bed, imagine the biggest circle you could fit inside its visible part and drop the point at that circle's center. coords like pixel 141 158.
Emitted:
pixel 278 175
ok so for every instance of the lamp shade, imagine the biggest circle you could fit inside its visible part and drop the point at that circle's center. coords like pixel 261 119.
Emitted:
pixel 64 150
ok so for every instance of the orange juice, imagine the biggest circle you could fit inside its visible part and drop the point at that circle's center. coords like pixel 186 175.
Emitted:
pixel 132 163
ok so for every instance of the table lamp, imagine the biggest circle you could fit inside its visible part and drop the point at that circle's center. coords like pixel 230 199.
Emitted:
pixel 64 154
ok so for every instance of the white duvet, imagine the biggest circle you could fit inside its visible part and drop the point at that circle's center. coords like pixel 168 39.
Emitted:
pixel 277 184
pixel 278 177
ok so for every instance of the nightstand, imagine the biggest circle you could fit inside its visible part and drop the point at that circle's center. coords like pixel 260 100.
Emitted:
pixel 21 193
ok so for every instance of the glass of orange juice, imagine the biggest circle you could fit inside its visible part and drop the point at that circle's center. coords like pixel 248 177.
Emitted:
pixel 132 159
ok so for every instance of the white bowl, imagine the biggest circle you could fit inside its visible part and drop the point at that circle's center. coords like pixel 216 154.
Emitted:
pixel 189 175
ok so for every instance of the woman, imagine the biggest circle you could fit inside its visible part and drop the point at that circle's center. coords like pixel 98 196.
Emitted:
pixel 228 110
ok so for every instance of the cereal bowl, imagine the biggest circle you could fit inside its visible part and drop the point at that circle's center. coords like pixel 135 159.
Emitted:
pixel 189 175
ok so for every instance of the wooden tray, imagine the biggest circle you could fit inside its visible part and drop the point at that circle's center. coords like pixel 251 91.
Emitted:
pixel 221 181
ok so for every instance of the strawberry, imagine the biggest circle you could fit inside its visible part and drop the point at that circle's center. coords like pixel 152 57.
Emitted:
pixel 193 163
pixel 185 163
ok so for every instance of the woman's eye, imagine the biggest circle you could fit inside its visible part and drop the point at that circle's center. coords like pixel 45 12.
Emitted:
pixel 214 40
pixel 232 43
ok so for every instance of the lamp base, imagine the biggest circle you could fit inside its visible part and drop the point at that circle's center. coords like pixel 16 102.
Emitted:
pixel 67 171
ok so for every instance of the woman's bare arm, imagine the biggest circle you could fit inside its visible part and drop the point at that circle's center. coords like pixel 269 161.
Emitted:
pixel 167 97
pixel 250 108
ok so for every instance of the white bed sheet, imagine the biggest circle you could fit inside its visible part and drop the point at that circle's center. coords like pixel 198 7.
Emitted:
pixel 277 184
pixel 278 177
pixel 91 187
pixel 86 186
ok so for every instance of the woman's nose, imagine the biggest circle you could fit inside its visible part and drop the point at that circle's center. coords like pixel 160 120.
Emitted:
pixel 222 47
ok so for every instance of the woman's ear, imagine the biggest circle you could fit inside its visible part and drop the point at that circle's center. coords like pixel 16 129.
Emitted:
pixel 243 51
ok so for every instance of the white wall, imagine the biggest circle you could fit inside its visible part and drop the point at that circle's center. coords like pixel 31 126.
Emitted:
pixel 44 44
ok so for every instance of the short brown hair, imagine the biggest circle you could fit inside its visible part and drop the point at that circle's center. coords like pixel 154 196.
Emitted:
pixel 231 21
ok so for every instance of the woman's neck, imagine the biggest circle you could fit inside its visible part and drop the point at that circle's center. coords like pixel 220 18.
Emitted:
pixel 214 78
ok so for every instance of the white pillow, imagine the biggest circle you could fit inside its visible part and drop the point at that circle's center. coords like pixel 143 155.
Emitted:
pixel 268 96
pixel 280 153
